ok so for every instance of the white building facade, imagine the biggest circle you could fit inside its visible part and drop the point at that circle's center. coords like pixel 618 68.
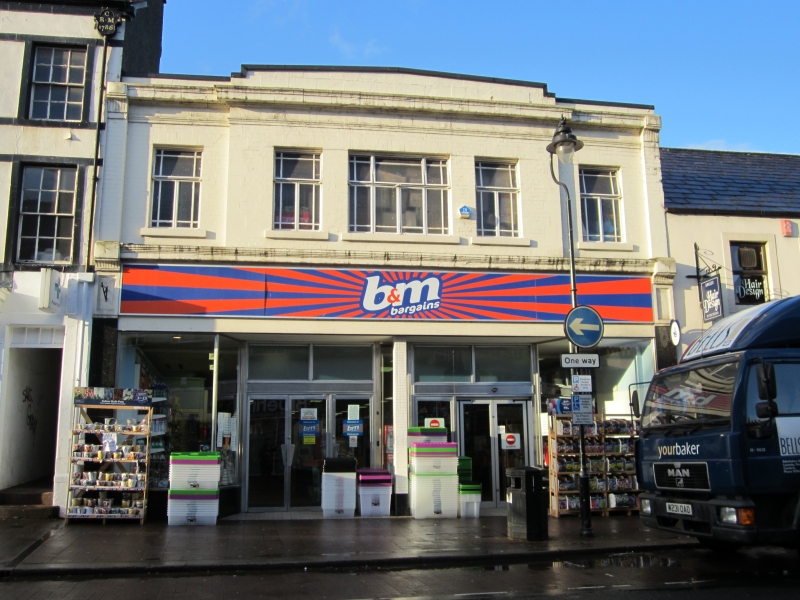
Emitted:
pixel 294 250
pixel 52 69
pixel 731 216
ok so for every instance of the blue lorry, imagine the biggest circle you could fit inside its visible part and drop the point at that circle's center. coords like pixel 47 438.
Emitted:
pixel 719 453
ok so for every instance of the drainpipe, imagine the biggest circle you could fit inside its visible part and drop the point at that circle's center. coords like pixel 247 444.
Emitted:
pixel 93 194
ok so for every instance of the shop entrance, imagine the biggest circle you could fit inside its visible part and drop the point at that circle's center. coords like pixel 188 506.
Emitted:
pixel 285 454
pixel 494 433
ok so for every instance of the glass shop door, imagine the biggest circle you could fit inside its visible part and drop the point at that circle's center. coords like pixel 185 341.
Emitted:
pixel 494 434
pixel 286 446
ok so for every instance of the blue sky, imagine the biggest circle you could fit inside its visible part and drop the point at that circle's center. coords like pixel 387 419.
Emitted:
pixel 722 75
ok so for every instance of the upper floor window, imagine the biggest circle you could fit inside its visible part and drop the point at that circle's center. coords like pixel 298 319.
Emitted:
pixel 47 215
pixel 398 195
pixel 600 205
pixel 176 188
pixel 297 191
pixel 749 272
pixel 497 198
pixel 58 81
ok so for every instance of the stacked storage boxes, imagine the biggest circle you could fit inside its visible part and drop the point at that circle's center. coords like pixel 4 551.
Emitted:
pixel 339 488
pixel 374 492
pixel 193 497
pixel 433 476
pixel 425 435
pixel 469 492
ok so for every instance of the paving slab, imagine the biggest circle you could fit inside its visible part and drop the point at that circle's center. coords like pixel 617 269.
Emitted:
pixel 115 548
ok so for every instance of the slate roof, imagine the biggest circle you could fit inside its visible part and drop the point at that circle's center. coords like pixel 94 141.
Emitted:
pixel 730 183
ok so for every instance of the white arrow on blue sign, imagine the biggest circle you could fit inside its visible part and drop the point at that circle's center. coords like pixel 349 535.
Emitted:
pixel 584 327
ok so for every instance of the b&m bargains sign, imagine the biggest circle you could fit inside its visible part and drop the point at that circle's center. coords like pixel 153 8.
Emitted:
pixel 283 293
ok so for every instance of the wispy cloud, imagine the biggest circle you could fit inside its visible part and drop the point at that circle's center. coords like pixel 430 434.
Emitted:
pixel 279 11
pixel 352 50
pixel 723 145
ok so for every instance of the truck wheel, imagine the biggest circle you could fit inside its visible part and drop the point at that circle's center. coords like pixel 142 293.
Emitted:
pixel 718 545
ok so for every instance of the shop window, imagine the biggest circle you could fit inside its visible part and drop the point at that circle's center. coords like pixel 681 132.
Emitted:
pixel 432 363
pixel 297 191
pixel 509 363
pixel 749 273
pixel 47 215
pixel 399 195
pixel 497 198
pixel 600 205
pixel 58 84
pixel 176 188
pixel 434 409
pixel 178 370
pixel 343 363
pixel 279 363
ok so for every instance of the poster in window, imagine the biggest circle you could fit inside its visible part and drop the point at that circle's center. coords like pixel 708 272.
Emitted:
pixel 749 289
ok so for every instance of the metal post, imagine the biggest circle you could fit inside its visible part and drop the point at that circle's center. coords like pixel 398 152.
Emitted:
pixel 583 489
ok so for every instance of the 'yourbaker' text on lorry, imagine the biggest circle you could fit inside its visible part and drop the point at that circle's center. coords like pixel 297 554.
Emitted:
pixel 719 454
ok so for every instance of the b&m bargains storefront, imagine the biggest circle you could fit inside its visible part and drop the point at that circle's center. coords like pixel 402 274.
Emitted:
pixel 244 354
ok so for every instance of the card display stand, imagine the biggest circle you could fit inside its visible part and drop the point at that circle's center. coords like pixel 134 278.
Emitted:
pixel 109 462
pixel 610 457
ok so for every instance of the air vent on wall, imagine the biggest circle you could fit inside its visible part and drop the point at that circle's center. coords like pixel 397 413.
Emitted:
pixel 748 258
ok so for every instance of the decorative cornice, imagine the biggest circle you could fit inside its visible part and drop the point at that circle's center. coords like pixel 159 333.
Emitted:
pixel 383 259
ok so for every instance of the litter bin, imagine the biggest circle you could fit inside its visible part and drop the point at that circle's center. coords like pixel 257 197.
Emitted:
pixel 527 497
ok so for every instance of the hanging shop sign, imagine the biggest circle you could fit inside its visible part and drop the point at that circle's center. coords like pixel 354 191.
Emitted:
pixel 112 396
pixel 387 295
pixel 712 299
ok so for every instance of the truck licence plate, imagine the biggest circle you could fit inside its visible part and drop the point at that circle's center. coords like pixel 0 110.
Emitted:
pixel 679 509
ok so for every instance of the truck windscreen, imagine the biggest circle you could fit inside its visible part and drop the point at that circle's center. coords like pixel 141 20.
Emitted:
pixel 702 396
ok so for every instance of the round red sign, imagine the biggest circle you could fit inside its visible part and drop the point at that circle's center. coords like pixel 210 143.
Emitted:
pixel 435 423
pixel 511 439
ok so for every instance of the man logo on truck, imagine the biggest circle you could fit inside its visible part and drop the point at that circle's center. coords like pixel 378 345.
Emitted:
pixel 678 472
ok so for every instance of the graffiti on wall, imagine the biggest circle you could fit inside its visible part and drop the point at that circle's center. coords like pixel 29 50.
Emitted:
pixel 27 399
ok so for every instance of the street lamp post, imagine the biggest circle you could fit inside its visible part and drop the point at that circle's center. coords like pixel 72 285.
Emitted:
pixel 564 145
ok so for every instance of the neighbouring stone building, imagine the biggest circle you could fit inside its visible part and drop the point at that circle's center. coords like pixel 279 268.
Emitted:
pixel 52 67
pixel 740 211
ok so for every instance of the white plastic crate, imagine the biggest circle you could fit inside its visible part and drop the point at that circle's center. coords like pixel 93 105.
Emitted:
pixel 434 496
pixel 338 495
pixel 191 520
pixel 374 501
pixel 469 506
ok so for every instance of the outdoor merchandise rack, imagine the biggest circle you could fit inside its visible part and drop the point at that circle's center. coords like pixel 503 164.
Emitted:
pixel 109 454
pixel 610 461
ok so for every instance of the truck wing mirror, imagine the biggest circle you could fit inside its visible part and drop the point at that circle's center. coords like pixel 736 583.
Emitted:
pixel 635 403
pixel 765 373
pixel 766 410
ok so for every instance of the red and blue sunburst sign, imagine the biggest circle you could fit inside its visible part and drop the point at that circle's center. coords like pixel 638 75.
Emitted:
pixel 363 294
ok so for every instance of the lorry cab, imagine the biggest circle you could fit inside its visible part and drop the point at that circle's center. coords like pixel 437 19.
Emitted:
pixel 719 452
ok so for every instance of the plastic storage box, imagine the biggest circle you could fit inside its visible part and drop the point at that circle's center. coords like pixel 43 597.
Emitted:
pixel 469 496
pixel 192 507
pixel 339 488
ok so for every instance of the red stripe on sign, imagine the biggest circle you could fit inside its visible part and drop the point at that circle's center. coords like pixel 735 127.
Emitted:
pixel 152 278
pixel 625 313
pixel 186 307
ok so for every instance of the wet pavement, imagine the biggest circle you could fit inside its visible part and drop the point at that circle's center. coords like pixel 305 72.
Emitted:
pixel 129 548
pixel 690 574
